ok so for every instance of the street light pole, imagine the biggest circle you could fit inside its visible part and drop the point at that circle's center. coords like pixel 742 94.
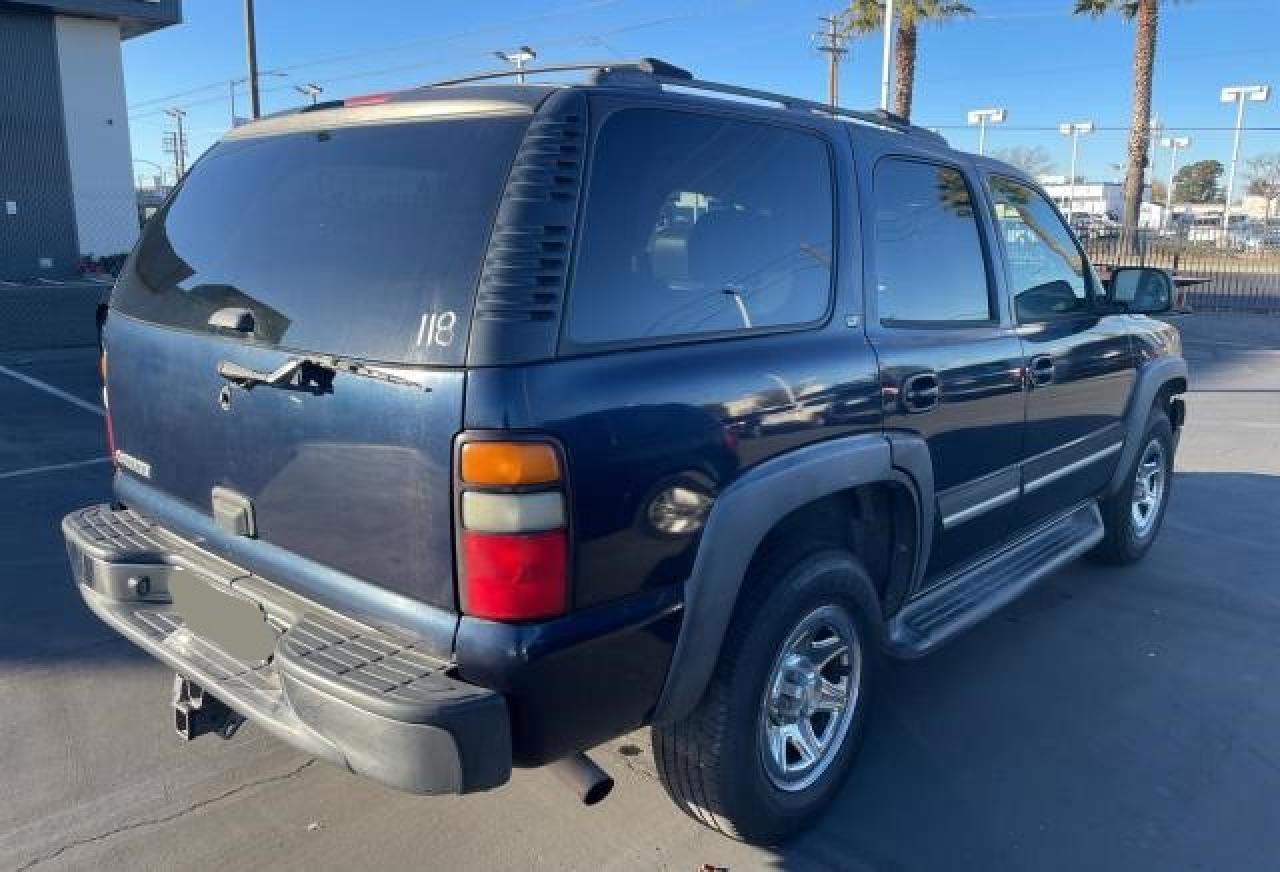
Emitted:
pixel 517 59
pixel 981 117
pixel 310 89
pixel 1173 143
pixel 1238 94
pixel 885 55
pixel 1074 129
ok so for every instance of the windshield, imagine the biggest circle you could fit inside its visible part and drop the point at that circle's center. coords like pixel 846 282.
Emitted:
pixel 359 241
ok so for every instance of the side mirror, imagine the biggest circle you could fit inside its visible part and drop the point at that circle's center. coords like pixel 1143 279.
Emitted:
pixel 1142 290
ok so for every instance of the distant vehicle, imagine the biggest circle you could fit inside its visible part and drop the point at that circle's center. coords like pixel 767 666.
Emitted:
pixel 469 427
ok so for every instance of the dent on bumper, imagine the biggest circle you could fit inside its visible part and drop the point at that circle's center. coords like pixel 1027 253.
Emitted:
pixel 339 690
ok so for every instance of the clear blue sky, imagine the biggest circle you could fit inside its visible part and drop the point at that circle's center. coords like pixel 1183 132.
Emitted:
pixel 1029 56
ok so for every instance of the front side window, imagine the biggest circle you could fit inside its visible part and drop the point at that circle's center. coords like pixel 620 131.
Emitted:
pixel 929 262
pixel 697 224
pixel 1047 273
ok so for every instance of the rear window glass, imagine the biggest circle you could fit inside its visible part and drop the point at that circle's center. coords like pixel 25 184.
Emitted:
pixel 697 224
pixel 360 241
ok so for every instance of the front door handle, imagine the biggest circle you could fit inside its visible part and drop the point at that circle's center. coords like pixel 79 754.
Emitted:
pixel 1040 370
pixel 921 392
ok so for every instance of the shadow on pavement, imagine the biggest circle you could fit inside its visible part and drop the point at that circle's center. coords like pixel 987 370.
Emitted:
pixel 1114 718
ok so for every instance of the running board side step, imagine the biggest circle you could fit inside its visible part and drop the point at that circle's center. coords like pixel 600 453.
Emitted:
pixel 975 593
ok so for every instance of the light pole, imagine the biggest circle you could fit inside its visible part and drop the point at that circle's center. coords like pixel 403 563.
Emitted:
pixel 310 89
pixel 1238 94
pixel 982 117
pixel 1174 144
pixel 152 163
pixel 886 51
pixel 518 59
pixel 240 81
pixel 1074 129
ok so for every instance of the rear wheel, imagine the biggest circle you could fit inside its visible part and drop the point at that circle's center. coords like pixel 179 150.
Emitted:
pixel 779 726
pixel 1133 515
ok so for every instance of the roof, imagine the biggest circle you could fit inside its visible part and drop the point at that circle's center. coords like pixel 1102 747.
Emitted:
pixel 135 17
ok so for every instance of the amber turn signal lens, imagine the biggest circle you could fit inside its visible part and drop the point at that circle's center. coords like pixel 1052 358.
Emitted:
pixel 504 464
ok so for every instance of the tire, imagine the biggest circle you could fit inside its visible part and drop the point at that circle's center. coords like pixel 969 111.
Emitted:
pixel 713 763
pixel 1130 532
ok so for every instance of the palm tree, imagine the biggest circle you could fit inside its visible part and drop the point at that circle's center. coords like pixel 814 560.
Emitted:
pixel 867 16
pixel 1146 14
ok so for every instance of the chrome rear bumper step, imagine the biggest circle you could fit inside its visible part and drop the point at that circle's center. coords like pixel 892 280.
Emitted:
pixel 346 692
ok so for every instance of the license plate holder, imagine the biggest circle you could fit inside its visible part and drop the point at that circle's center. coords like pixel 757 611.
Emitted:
pixel 233 623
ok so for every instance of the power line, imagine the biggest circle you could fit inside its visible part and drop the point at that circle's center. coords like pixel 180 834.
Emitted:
pixel 389 48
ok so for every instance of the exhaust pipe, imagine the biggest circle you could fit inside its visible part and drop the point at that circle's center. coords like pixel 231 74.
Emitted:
pixel 196 712
pixel 587 780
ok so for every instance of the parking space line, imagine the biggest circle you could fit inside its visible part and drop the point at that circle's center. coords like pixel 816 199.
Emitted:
pixel 53 467
pixel 50 389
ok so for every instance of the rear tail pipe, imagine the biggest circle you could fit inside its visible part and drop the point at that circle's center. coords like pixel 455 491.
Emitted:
pixel 588 781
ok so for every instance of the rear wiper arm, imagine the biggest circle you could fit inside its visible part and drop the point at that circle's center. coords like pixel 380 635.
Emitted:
pixel 246 378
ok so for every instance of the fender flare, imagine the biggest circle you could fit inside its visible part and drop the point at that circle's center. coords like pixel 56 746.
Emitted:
pixel 1151 379
pixel 745 513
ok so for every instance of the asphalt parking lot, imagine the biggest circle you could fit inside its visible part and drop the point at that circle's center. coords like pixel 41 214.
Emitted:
pixel 1113 719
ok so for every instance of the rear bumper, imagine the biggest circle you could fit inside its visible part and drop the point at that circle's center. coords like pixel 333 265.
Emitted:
pixel 342 691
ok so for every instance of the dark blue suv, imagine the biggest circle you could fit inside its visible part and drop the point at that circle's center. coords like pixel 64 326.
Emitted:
pixel 468 427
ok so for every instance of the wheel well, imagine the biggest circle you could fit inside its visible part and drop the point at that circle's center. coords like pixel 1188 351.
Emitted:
pixel 877 522
pixel 1165 396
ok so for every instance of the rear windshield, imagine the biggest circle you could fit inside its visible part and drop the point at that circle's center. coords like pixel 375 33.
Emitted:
pixel 359 241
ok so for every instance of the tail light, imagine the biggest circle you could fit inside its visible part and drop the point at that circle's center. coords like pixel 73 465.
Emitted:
pixel 513 540
pixel 106 406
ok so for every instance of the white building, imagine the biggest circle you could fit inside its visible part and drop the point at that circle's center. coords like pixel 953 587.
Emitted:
pixel 66 176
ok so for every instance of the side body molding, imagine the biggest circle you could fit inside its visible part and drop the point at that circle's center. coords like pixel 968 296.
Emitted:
pixel 743 514
pixel 1152 377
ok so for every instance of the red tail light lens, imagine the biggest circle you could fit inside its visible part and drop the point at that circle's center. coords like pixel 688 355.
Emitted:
pixel 514 576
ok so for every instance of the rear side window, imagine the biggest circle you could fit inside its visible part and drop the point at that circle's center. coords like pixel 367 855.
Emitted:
pixel 929 260
pixel 360 241
pixel 697 225
pixel 1048 276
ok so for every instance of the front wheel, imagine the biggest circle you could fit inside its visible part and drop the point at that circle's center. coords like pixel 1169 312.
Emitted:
pixel 775 734
pixel 1133 515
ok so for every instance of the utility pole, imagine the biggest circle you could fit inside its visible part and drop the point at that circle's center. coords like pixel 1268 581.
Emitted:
pixel 886 55
pixel 176 143
pixel 1074 129
pixel 518 59
pixel 1238 94
pixel 831 41
pixel 1173 143
pixel 251 51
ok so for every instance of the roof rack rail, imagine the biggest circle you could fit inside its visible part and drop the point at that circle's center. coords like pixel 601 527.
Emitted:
pixel 649 66
pixel 661 73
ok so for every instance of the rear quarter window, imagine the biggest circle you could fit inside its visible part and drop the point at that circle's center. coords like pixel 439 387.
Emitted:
pixel 698 225
pixel 362 241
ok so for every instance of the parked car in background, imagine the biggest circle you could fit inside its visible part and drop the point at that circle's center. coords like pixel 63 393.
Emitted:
pixel 468 427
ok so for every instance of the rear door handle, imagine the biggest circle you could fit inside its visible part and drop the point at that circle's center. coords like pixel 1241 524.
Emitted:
pixel 1040 371
pixel 921 392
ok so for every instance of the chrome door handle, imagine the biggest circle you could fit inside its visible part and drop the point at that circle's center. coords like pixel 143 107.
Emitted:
pixel 1040 370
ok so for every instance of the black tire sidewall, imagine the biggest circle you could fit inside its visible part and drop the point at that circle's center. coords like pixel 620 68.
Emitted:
pixel 826 576
pixel 1129 544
